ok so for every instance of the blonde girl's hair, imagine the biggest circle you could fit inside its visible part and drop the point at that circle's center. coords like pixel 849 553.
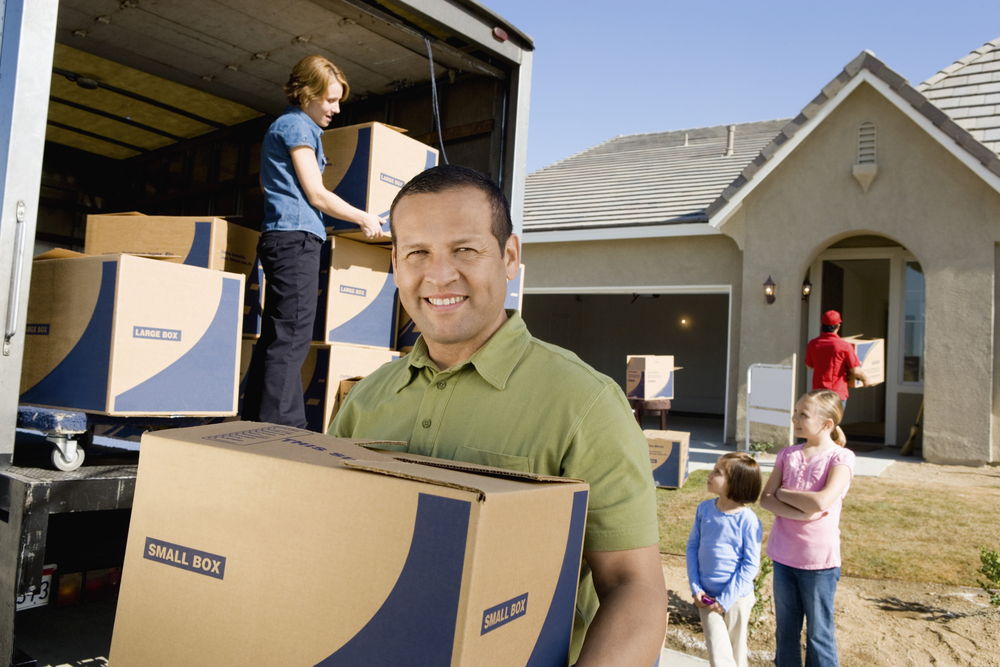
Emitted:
pixel 829 406
pixel 743 482
pixel 310 78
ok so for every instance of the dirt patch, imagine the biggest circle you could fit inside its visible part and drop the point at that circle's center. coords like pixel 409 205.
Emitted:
pixel 930 474
pixel 879 622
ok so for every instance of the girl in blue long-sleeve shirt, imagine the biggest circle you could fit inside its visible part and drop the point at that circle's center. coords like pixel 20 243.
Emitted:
pixel 723 557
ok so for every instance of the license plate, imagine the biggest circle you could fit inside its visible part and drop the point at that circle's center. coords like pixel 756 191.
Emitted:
pixel 40 596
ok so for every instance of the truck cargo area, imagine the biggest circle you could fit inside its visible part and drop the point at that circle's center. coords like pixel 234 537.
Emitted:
pixel 160 107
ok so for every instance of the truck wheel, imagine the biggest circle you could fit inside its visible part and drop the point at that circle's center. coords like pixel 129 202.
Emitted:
pixel 67 465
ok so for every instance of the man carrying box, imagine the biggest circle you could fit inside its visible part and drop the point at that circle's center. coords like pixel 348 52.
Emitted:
pixel 478 387
pixel 833 359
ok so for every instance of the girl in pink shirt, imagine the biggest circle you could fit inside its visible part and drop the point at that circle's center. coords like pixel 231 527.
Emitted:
pixel 805 492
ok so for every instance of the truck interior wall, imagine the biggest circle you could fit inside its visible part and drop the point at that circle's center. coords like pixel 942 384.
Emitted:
pixel 604 328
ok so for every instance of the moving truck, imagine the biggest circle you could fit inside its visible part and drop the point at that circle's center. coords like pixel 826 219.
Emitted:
pixel 159 108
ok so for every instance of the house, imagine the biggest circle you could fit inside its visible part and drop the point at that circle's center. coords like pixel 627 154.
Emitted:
pixel 882 197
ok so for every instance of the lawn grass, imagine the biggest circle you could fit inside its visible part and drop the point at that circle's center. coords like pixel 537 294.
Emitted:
pixel 890 529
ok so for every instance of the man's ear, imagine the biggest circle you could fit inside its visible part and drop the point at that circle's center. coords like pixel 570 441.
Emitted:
pixel 512 256
pixel 395 273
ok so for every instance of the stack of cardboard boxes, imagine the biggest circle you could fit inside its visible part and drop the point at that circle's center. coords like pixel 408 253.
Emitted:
pixel 164 266
pixel 650 377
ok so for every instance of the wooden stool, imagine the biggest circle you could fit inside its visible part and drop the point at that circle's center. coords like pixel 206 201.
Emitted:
pixel 655 405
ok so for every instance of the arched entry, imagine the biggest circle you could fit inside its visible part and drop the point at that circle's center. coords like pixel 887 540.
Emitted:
pixel 878 286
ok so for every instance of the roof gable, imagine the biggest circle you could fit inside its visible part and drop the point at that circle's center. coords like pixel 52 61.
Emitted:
pixel 866 68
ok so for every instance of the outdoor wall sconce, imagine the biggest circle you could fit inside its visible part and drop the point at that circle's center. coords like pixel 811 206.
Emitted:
pixel 770 290
pixel 807 289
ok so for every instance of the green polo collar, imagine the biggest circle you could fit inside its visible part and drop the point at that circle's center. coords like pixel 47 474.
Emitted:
pixel 495 361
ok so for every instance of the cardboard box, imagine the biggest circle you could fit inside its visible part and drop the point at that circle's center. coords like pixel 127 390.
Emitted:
pixel 212 243
pixel 253 301
pixel 126 335
pixel 871 354
pixel 515 291
pixel 668 455
pixel 650 376
pixel 323 371
pixel 357 299
pixel 267 545
pixel 367 164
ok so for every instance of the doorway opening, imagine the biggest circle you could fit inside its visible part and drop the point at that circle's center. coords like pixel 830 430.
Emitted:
pixel 878 287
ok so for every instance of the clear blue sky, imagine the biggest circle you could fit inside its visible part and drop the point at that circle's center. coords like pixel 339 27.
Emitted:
pixel 604 69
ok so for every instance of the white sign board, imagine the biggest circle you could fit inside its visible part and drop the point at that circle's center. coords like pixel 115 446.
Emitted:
pixel 770 396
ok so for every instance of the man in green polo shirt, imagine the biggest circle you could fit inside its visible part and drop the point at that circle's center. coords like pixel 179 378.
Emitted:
pixel 477 387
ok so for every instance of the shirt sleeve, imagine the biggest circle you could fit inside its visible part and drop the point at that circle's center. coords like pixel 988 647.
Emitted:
pixel 843 457
pixel 751 534
pixel 691 554
pixel 609 451
pixel 294 134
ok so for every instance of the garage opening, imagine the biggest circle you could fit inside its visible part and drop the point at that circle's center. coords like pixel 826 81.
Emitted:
pixel 604 328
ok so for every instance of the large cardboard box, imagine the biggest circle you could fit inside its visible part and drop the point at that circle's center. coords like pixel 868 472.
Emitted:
pixel 649 376
pixel 668 455
pixel 323 371
pixel 253 301
pixel 204 241
pixel 127 335
pixel 871 354
pixel 254 544
pixel 367 165
pixel 357 299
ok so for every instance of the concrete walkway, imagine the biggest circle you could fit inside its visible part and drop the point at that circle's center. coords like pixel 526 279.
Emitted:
pixel 707 444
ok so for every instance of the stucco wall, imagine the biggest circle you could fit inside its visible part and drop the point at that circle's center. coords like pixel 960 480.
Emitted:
pixel 925 199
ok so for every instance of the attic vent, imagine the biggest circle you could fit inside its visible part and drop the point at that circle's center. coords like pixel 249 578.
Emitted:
pixel 866 143
pixel 865 169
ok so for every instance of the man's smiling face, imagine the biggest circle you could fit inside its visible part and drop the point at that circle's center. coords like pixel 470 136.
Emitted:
pixel 450 271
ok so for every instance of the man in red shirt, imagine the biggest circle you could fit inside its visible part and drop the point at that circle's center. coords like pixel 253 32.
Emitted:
pixel 832 359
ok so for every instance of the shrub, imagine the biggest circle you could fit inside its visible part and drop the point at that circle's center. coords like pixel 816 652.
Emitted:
pixel 991 570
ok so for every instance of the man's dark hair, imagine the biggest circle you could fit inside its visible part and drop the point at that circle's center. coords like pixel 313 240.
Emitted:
pixel 828 328
pixel 448 176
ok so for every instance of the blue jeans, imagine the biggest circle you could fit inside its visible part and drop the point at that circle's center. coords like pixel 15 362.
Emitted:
pixel 805 594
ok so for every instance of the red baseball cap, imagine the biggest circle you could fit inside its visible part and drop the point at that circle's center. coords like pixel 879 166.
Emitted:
pixel 830 318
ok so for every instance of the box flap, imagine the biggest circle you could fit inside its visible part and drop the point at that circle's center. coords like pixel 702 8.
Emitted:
pixel 477 469
pixel 406 470
pixel 58 253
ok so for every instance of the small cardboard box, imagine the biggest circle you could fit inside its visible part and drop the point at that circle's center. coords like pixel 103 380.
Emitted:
pixel 367 164
pixel 255 544
pixel 212 243
pixel 357 299
pixel 323 371
pixel 871 354
pixel 649 377
pixel 126 335
pixel 668 455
